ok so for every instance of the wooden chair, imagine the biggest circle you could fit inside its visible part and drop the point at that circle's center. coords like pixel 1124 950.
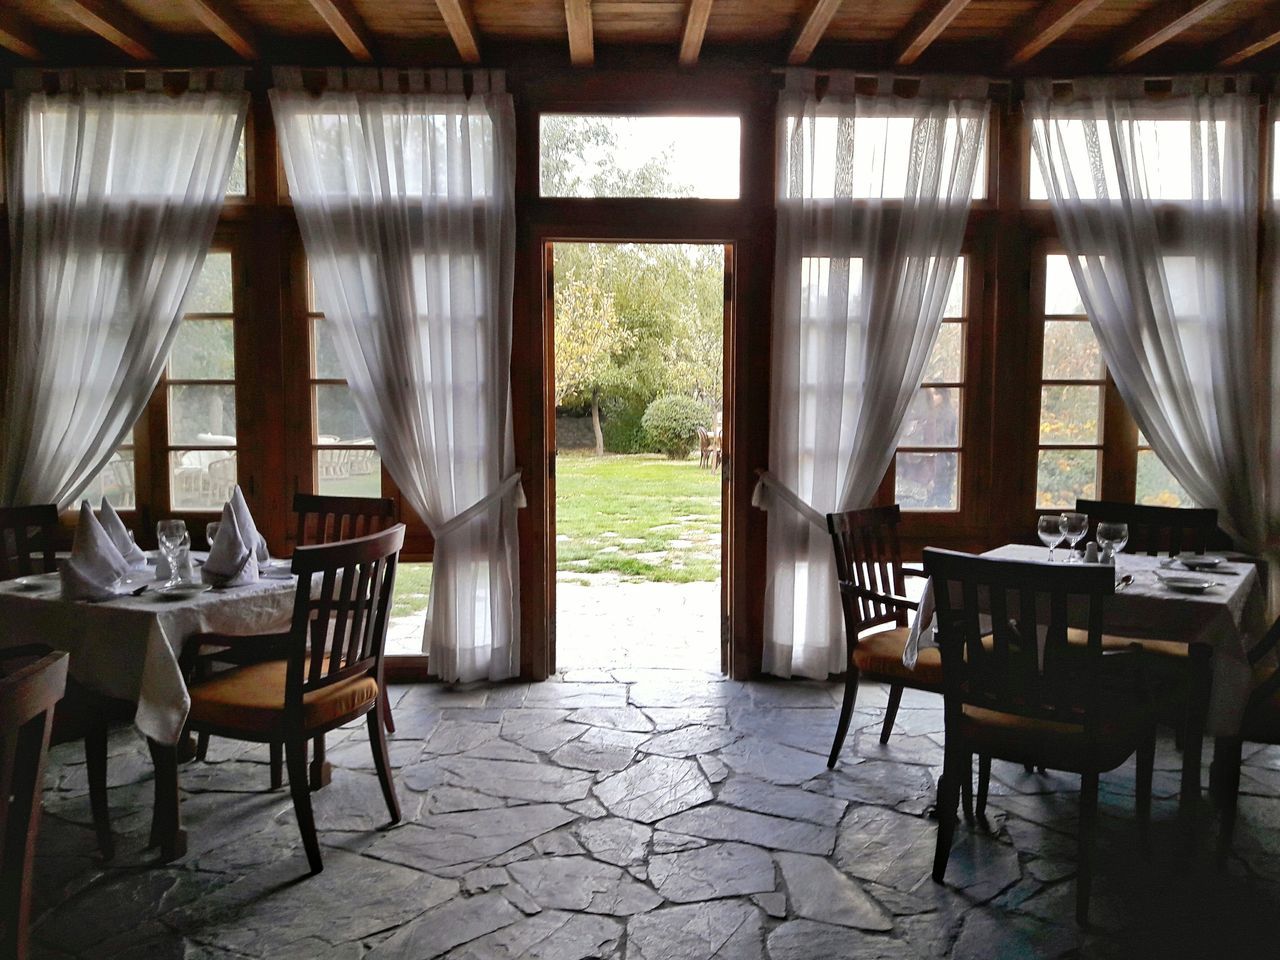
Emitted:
pixel 28 540
pixel 1028 696
pixel 1157 530
pixel 872 594
pixel 32 680
pixel 326 671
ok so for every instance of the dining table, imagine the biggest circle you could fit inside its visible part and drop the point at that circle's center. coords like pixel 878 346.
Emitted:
pixel 130 648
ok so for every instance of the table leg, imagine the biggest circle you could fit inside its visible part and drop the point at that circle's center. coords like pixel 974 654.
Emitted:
pixel 166 817
pixel 1198 685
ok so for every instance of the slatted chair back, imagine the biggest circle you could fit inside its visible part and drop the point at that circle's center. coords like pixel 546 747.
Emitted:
pixel 344 622
pixel 327 519
pixel 869 557
pixel 1156 530
pixel 32 681
pixel 1025 667
pixel 28 536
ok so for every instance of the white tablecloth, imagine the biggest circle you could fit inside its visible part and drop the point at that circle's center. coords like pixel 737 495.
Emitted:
pixel 1228 619
pixel 129 647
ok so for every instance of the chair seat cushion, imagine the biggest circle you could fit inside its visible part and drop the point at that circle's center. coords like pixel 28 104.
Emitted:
pixel 1161 648
pixel 252 699
pixel 879 655
pixel 1052 743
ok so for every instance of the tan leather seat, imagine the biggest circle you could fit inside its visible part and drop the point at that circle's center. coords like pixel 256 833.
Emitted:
pixel 881 654
pixel 1162 648
pixel 1051 743
pixel 252 699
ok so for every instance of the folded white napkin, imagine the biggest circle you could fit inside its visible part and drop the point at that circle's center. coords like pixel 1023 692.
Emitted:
pixel 248 529
pixel 95 565
pixel 115 529
pixel 231 561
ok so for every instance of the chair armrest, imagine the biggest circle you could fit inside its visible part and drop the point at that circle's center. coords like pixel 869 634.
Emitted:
pixel 229 648
pixel 888 599
pixel 909 572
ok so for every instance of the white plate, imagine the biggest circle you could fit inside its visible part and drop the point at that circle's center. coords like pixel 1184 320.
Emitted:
pixel 180 591
pixel 1195 562
pixel 1186 584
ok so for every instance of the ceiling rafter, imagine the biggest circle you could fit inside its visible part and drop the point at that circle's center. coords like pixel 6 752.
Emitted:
pixel 16 37
pixel 582 49
pixel 1249 41
pixel 114 24
pixel 811 31
pixel 348 27
pixel 925 27
pixel 461 22
pixel 695 29
pixel 227 25
pixel 1160 25
pixel 1049 23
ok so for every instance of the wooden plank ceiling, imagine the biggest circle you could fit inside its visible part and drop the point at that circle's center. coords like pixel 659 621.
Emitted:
pixel 987 36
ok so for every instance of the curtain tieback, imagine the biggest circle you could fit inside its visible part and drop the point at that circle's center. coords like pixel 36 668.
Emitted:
pixel 483 505
pixel 786 495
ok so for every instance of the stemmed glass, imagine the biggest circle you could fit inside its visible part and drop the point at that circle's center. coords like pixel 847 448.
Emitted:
pixel 172 536
pixel 1113 535
pixel 211 531
pixel 1074 528
pixel 1050 529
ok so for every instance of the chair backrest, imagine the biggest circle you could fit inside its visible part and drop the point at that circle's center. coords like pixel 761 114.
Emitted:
pixel 327 519
pixel 868 555
pixel 32 681
pixel 1027 666
pixel 344 620
pixel 28 537
pixel 1156 530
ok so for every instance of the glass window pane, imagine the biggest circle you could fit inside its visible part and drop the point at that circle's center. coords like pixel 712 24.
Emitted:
pixel 351 473
pixel 1071 351
pixel 1156 485
pixel 409 610
pixel 1070 414
pixel 212 293
pixel 822 279
pixel 933 419
pixel 946 363
pixel 201 479
pixel 955 297
pixel 337 418
pixel 926 481
pixel 238 182
pixel 1061 296
pixel 204 350
pixel 617 156
pixel 1063 476
pixel 115 481
pixel 327 366
pixel 202 416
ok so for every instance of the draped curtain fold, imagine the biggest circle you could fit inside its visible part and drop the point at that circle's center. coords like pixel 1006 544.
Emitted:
pixel 873 195
pixel 114 196
pixel 1156 201
pixel 405 199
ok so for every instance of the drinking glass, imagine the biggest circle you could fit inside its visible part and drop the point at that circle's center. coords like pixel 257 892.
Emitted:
pixel 1074 528
pixel 1051 532
pixel 172 536
pixel 1113 535
pixel 211 531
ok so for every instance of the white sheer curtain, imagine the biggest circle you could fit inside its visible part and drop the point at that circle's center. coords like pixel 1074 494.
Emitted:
pixel 1156 202
pixel 405 200
pixel 873 195
pixel 114 196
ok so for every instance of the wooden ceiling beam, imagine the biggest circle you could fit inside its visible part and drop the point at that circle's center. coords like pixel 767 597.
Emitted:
pixel 811 31
pixel 924 28
pixel 695 28
pixel 1262 34
pixel 17 38
pixel 1049 23
pixel 1160 25
pixel 461 21
pixel 114 24
pixel 347 26
pixel 226 24
pixel 582 50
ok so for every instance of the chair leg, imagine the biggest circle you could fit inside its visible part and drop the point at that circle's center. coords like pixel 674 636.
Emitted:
pixel 948 796
pixel 277 766
pixel 202 747
pixel 966 788
pixel 891 712
pixel 95 756
pixel 321 771
pixel 1226 757
pixel 846 714
pixel 984 784
pixel 300 788
pixel 387 720
pixel 1142 786
pixel 1088 818
pixel 378 741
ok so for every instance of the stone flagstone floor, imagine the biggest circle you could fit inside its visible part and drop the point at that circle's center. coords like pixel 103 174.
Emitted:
pixel 645 815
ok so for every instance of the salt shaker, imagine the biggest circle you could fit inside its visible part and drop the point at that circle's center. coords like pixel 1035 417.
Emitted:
pixel 1091 552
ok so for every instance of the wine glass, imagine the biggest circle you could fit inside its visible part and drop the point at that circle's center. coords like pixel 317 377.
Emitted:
pixel 172 536
pixel 1113 535
pixel 1050 529
pixel 211 531
pixel 1074 528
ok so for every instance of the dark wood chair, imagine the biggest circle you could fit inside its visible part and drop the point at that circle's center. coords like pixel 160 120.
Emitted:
pixel 32 680
pixel 28 540
pixel 291 687
pixel 1157 530
pixel 872 595
pixel 1028 696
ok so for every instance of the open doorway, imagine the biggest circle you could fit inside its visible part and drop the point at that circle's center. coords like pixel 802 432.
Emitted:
pixel 638 343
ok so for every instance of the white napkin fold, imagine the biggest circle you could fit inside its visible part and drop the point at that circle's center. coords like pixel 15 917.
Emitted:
pixel 95 565
pixel 231 562
pixel 115 529
pixel 248 529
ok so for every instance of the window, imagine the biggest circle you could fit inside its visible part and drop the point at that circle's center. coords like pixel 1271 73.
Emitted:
pixel 618 156
pixel 117 481
pixel 927 465
pixel 238 181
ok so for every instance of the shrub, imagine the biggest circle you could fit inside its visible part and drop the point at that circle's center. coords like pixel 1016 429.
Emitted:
pixel 671 424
